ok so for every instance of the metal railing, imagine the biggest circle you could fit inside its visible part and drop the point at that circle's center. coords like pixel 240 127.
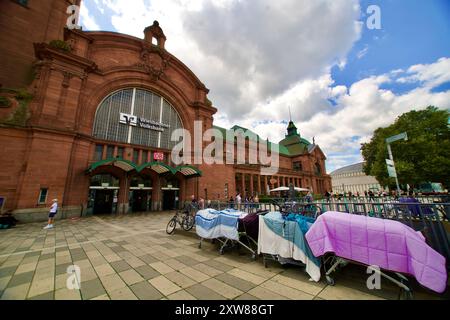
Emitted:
pixel 432 219
pixel 336 198
pixel 249 207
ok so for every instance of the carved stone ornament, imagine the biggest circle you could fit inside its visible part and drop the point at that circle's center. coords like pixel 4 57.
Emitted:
pixel 39 67
pixel 67 76
pixel 154 62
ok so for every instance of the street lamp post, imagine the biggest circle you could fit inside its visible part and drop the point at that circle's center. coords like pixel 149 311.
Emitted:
pixel 390 161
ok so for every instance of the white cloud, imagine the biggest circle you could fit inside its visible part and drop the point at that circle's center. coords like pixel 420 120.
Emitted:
pixel 362 52
pixel 265 47
pixel 87 21
pixel 341 128
pixel 431 75
pixel 260 57
pixel 248 52
pixel 99 6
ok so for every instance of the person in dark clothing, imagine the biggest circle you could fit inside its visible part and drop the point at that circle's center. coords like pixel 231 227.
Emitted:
pixel 231 203
pixel 194 203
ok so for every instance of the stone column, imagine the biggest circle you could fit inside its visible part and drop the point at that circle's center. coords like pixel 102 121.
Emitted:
pixel 123 201
pixel 265 184
pixel 251 185
pixel 182 196
pixel 243 186
pixel 156 195
pixel 259 185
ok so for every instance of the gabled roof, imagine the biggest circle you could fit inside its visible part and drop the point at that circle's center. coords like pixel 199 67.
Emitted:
pixel 311 147
pixel 292 145
pixel 188 171
pixel 158 167
pixel 125 165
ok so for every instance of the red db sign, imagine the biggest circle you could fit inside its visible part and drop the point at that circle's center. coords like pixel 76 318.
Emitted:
pixel 158 156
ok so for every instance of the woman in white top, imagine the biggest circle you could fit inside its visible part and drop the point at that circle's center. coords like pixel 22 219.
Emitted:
pixel 52 214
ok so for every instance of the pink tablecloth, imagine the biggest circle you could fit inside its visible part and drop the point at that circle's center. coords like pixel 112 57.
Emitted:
pixel 388 244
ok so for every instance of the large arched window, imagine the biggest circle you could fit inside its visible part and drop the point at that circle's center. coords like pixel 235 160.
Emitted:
pixel 137 116
pixel 317 169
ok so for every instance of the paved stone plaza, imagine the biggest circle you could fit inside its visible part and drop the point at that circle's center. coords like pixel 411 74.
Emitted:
pixel 132 257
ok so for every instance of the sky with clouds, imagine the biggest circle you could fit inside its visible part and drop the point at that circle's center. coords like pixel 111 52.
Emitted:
pixel 341 79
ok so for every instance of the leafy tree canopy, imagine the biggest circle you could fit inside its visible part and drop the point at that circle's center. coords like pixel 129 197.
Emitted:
pixel 425 157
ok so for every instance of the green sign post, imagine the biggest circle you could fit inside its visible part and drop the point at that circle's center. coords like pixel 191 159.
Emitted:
pixel 390 162
pixel 391 168
pixel 401 136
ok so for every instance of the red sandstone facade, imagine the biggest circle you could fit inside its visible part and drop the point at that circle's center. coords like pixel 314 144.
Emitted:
pixel 51 93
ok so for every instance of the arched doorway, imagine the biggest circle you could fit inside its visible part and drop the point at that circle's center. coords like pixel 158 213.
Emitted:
pixel 170 188
pixel 140 193
pixel 103 194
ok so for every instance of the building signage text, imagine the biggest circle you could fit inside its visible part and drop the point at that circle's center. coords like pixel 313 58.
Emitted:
pixel 135 121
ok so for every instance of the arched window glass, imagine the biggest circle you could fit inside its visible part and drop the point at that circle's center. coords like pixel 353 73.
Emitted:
pixel 137 116
pixel 169 182
pixel 141 181
pixel 108 180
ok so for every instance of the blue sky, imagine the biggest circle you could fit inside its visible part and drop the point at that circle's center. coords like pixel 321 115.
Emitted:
pixel 413 32
pixel 341 79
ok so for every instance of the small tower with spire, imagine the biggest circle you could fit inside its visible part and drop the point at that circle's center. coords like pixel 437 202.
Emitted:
pixel 293 142
pixel 291 129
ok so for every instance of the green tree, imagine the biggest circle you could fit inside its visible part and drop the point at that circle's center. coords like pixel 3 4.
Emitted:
pixel 424 157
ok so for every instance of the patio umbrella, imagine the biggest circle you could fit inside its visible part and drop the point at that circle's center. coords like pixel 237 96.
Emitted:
pixel 287 189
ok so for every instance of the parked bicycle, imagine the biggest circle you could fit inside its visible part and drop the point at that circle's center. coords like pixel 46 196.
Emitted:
pixel 185 218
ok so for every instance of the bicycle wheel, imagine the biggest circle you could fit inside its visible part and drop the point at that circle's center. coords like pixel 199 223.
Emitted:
pixel 171 226
pixel 188 222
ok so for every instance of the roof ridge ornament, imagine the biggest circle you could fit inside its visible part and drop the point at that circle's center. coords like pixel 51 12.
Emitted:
pixel 155 31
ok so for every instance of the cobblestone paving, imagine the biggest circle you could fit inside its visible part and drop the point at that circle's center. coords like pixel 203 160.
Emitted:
pixel 132 257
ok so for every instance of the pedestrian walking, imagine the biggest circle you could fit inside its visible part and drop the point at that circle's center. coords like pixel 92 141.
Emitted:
pixel 52 214
pixel 201 203
pixel 238 201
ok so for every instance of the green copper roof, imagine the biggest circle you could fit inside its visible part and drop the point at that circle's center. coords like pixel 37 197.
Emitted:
pixel 292 145
pixel 292 130
pixel 282 149
pixel 291 125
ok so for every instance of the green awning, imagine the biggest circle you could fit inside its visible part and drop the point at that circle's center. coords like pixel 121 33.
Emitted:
pixel 125 165
pixel 188 171
pixel 158 167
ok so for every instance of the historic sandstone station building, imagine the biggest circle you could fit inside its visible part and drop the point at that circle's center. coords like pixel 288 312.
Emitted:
pixel 87 117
